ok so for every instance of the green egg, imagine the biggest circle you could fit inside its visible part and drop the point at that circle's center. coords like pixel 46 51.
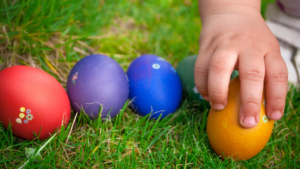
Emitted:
pixel 185 70
pixel 234 74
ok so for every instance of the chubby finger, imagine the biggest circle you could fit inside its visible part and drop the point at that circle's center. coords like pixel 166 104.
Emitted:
pixel 221 66
pixel 201 72
pixel 252 80
pixel 276 85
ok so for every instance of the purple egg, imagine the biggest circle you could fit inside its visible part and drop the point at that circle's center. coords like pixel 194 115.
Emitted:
pixel 97 80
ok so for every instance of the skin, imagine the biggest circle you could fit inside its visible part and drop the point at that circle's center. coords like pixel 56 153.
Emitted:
pixel 235 36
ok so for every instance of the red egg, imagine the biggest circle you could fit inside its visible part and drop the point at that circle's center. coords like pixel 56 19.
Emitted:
pixel 32 101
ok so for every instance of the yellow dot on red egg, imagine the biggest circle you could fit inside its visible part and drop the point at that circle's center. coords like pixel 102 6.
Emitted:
pixel 22 109
pixel 18 120
pixel 21 115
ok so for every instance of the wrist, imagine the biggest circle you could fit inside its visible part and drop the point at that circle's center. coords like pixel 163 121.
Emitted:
pixel 214 7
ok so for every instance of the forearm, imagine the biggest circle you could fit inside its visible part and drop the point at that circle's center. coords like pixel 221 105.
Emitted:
pixel 211 7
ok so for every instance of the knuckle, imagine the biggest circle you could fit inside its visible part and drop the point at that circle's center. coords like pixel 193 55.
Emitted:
pixel 278 100
pixel 200 71
pixel 219 67
pixel 280 76
pixel 252 102
pixel 251 106
pixel 200 90
pixel 203 94
pixel 253 75
pixel 217 96
pixel 274 45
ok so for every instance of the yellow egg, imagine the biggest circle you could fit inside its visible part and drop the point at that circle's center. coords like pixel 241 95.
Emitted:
pixel 227 137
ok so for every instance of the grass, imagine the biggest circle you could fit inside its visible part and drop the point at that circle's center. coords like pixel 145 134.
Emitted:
pixel 54 35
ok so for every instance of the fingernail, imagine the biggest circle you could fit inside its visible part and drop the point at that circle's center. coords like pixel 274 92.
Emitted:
pixel 218 106
pixel 276 115
pixel 249 122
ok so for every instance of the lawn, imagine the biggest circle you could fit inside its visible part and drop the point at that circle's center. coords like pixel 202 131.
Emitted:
pixel 53 35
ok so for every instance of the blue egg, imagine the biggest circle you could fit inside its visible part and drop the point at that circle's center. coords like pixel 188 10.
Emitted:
pixel 154 86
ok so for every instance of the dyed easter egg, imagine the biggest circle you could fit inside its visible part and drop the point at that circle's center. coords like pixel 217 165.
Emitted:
pixel 32 101
pixel 234 74
pixel 155 86
pixel 185 70
pixel 227 137
pixel 97 80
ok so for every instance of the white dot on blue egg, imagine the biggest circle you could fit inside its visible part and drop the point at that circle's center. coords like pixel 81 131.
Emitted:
pixel 155 66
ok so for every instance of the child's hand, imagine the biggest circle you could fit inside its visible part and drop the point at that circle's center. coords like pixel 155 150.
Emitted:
pixel 235 36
